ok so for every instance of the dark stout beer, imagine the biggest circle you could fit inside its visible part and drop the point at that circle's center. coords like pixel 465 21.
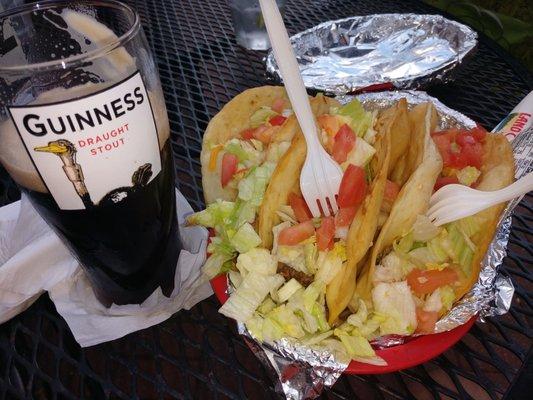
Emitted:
pixel 128 248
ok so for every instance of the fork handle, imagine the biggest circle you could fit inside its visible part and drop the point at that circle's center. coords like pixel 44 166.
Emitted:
pixel 290 72
pixel 516 189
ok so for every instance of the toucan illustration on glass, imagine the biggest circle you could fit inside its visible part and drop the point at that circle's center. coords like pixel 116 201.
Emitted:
pixel 66 151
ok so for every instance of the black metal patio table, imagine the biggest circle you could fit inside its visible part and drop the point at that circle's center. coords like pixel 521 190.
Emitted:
pixel 197 354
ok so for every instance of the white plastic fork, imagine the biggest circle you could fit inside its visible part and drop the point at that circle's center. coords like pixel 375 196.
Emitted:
pixel 321 175
pixel 453 202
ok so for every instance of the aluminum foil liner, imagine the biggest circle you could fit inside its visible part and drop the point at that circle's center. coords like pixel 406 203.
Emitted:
pixel 402 51
pixel 303 372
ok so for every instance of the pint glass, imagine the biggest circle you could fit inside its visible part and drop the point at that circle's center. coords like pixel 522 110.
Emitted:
pixel 84 133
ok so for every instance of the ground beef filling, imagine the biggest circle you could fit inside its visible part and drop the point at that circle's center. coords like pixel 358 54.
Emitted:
pixel 289 273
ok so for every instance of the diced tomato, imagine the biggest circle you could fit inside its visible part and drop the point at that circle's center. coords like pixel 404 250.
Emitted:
pixel 445 180
pixel 277 120
pixel 465 139
pixel 472 155
pixel 325 234
pixel 460 148
pixel 443 143
pixel 345 216
pixel 391 193
pixel 479 133
pixel 391 190
pixel 353 187
pixel 344 143
pixel 229 167
pixel 248 134
pixel 426 320
pixel 299 206
pixel 278 105
pixel 329 123
pixel 292 235
pixel 264 133
pixel 425 282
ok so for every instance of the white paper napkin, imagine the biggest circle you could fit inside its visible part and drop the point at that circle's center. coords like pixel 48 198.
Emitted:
pixel 33 259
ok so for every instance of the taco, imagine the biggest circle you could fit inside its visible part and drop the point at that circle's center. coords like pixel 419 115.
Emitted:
pixel 416 270
pixel 255 126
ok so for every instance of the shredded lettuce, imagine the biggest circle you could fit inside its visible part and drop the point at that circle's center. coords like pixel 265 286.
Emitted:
pixel 258 261
pixel 245 239
pixel 330 263
pixel 468 175
pixel 235 278
pixel 356 346
pixel 310 256
pixel 390 269
pixel 404 245
pixel 249 295
pixel 361 120
pixel 272 330
pixel 360 316
pixel 319 312
pixel 252 187
pixel 222 246
pixel 370 135
pixel 293 256
pixel 277 150
pixel 266 306
pixel 316 338
pixel 234 146
pixel 261 116
pixel 288 289
pixel 371 325
pixel 423 229
pixel 447 297
pixel 395 301
pixel 255 327
pixel 216 214
pixel 471 225
pixel 422 256
pixel 275 233
pixel 311 295
pixel 433 302
pixel 460 247
pixel 287 320
pixel 213 264
pixel 360 154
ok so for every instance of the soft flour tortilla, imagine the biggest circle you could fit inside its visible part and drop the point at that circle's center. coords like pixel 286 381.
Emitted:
pixel 229 123
pixel 286 176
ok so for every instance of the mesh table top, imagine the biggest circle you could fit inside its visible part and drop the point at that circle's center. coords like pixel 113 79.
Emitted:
pixel 197 354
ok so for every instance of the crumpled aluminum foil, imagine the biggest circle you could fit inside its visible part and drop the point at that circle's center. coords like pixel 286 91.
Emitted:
pixel 303 372
pixel 402 51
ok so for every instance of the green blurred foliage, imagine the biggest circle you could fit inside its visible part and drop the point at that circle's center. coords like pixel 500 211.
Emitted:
pixel 508 22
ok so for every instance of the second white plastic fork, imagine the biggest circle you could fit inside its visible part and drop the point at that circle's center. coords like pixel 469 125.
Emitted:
pixel 453 202
pixel 321 176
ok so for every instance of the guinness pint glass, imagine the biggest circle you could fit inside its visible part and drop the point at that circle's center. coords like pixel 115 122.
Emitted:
pixel 84 133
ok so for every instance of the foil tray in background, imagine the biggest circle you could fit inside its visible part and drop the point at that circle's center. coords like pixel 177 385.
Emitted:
pixel 380 51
